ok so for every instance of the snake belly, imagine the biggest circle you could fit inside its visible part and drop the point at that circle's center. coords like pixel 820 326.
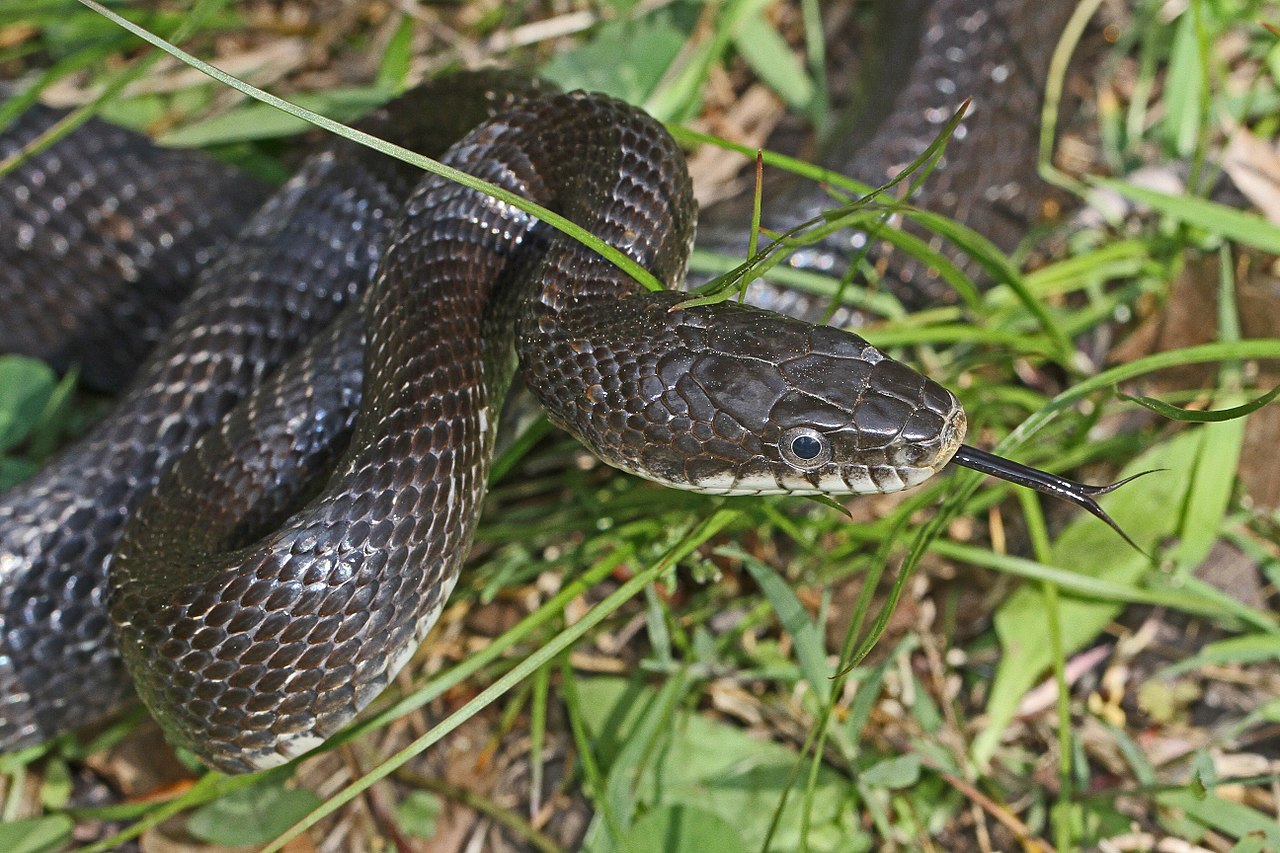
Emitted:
pixel 254 629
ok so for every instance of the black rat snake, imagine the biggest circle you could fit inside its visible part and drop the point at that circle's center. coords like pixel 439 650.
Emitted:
pixel 256 614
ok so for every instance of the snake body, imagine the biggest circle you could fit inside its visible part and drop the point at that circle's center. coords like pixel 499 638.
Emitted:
pixel 257 616
pixel 305 255
pixel 933 55
pixel 73 226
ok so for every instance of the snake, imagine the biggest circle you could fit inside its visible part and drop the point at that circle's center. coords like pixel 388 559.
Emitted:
pixel 266 526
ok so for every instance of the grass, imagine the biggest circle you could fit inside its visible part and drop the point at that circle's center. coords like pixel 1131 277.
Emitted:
pixel 675 666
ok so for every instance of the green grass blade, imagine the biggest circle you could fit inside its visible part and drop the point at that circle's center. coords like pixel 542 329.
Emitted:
pixel 427 164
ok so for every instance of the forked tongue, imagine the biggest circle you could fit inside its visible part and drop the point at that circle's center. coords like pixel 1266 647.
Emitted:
pixel 1080 494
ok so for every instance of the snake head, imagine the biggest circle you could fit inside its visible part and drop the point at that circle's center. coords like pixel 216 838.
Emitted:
pixel 817 410
pixel 730 399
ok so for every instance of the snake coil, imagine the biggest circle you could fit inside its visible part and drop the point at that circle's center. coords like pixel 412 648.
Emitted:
pixel 257 613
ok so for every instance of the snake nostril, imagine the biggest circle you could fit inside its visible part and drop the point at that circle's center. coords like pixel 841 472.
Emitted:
pixel 914 455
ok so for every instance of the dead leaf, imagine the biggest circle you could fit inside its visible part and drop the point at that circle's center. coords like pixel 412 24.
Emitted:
pixel 1254 166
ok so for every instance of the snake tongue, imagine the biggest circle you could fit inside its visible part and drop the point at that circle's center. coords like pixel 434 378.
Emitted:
pixel 1080 494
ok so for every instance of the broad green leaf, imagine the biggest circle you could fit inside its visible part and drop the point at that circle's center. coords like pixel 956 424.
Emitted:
pixel 26 387
pixel 900 771
pixel 1184 87
pixel 56 790
pixel 1252 844
pixel 626 59
pixel 1108 262
pixel 1150 512
pixel 1229 223
pixel 416 814
pixel 35 835
pixel 641 748
pixel 1250 648
pixel 254 121
pixel 683 828
pixel 397 57
pixel 1201 601
pixel 1209 497
pixel 251 815
pixel 14 471
pixel 1235 819
pixel 715 767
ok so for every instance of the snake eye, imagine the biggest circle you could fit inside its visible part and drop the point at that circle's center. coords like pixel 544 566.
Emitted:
pixel 805 448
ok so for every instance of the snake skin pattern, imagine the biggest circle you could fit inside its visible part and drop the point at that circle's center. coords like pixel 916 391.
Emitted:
pixel 70 226
pixel 258 616
pixel 308 252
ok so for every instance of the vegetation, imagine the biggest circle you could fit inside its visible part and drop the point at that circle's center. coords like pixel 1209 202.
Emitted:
pixel 956 668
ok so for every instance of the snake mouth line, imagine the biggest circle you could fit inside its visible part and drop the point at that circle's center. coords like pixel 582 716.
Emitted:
pixel 1080 494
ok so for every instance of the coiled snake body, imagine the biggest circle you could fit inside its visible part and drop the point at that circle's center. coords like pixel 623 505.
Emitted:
pixel 253 628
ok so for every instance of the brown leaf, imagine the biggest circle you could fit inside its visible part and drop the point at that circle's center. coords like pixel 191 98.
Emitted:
pixel 1254 166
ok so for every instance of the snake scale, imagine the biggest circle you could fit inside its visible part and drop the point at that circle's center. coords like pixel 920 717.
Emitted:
pixel 256 613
